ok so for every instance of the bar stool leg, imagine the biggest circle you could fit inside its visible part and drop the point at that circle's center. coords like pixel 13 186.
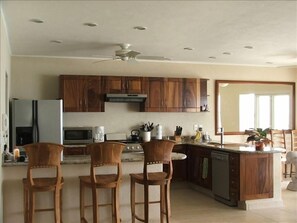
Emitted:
pixel 57 205
pixel 95 207
pixel 116 203
pixel 31 206
pixel 161 202
pixel 82 201
pixel 132 199
pixel 167 202
pixel 146 203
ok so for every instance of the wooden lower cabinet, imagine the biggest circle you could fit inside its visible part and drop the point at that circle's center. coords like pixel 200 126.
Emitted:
pixel 199 166
pixel 250 174
pixel 234 183
pixel 180 168
pixel 256 176
pixel 74 150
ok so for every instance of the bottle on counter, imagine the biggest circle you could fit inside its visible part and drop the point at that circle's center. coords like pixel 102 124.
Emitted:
pixel 199 134
pixel 99 134
pixel 159 131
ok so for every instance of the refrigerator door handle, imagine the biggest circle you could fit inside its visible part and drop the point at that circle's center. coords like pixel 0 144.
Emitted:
pixel 35 122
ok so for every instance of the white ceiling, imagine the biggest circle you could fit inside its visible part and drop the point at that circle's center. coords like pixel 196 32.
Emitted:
pixel 211 28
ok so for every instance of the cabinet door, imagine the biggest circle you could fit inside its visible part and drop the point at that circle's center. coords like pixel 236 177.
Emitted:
pixel 128 85
pixel 154 88
pixel 72 92
pixel 199 166
pixel 203 94
pixel 191 95
pixel 133 85
pixel 94 101
pixel 256 176
pixel 113 84
pixel 74 150
pixel 180 171
pixel 173 94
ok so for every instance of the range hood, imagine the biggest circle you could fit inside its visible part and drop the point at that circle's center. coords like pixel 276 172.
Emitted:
pixel 125 97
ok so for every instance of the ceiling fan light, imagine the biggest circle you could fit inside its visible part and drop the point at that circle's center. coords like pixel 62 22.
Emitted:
pixel 124 58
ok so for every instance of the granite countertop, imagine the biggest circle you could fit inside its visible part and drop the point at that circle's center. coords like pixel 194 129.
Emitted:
pixel 235 147
pixel 85 159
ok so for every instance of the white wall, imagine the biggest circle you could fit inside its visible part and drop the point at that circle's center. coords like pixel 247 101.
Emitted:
pixel 4 69
pixel 34 77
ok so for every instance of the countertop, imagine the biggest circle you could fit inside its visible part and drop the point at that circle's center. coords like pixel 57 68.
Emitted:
pixel 235 147
pixel 85 159
pixel 138 156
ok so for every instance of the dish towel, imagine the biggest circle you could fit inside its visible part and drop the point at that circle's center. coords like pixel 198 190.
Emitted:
pixel 205 168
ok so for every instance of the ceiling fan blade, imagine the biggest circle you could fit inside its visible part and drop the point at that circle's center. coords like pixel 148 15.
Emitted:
pixel 99 61
pixel 153 58
pixel 110 59
pixel 132 54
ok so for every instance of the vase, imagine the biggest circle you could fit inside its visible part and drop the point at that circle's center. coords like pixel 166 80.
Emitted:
pixel 259 146
pixel 146 136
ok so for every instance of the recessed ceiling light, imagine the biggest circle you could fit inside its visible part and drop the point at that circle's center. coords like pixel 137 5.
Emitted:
pixel 227 53
pixel 140 27
pixel 56 41
pixel 248 47
pixel 36 20
pixel 188 48
pixel 269 62
pixel 212 57
pixel 90 24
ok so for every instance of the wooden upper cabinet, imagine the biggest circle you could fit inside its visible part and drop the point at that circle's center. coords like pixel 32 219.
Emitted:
pixel 173 94
pixel 129 85
pixel 94 100
pixel 81 93
pixel 191 95
pixel 203 94
pixel 154 88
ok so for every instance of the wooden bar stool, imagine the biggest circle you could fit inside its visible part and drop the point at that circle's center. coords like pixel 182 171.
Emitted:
pixel 155 152
pixel 293 134
pixel 102 154
pixel 278 139
pixel 43 155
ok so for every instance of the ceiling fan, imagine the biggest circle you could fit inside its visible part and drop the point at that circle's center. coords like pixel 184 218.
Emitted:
pixel 125 54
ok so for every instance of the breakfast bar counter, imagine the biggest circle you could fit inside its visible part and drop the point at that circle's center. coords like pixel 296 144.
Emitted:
pixel 72 167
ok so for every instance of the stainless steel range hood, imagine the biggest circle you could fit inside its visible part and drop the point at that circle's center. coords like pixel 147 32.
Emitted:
pixel 138 98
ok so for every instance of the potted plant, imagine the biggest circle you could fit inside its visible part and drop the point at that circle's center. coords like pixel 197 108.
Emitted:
pixel 259 137
pixel 146 129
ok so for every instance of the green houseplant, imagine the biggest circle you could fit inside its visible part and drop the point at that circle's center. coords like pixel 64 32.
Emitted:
pixel 258 136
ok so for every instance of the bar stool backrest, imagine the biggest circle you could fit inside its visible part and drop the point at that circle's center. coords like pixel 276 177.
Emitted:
pixel 278 138
pixel 294 140
pixel 158 152
pixel 106 154
pixel 44 155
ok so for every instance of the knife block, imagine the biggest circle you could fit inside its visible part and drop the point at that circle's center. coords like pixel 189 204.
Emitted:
pixel 177 138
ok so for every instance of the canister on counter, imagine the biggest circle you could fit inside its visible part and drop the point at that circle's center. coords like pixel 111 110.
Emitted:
pixel 159 131
pixel 99 134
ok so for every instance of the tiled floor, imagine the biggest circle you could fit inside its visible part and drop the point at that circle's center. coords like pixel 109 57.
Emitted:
pixel 189 206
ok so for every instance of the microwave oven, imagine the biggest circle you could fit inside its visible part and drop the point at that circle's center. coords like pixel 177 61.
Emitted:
pixel 77 135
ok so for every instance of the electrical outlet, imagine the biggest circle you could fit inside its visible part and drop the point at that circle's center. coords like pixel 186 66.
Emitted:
pixel 195 127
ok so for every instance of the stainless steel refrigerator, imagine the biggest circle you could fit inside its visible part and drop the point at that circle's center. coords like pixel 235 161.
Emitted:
pixel 36 121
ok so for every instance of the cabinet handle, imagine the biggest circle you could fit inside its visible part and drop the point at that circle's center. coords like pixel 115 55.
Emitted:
pixel 127 85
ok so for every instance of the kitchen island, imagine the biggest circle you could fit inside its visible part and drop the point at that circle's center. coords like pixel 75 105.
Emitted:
pixel 252 178
pixel 72 167
pixel 198 178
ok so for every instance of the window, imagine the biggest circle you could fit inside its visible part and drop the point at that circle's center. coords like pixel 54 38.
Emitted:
pixel 264 111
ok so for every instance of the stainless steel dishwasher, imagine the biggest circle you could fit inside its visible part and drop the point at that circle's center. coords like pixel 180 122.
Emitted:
pixel 220 176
